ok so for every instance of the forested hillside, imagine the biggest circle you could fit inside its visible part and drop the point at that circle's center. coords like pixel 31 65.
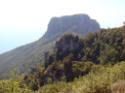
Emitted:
pixel 90 64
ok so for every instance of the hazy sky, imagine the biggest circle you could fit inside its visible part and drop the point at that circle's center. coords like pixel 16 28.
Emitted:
pixel 24 21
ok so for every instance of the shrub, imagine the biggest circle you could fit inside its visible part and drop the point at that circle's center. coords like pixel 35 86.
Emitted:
pixel 11 86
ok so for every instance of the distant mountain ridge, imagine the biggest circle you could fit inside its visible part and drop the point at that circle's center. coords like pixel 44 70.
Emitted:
pixel 24 57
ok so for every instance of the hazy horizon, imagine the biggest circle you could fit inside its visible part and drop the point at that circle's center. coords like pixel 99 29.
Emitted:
pixel 24 21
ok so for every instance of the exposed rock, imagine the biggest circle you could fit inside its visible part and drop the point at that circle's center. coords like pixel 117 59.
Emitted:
pixel 80 24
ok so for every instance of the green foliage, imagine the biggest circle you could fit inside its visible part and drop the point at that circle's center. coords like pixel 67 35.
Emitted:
pixel 73 57
pixel 108 55
pixel 99 80
pixel 68 69
pixel 100 47
pixel 60 87
pixel 82 68
pixel 35 78
pixel 68 45
pixel 11 86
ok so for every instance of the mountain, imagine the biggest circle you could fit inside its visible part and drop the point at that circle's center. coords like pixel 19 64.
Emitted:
pixel 80 24
pixel 28 55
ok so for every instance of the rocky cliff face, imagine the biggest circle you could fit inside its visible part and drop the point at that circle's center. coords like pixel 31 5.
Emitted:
pixel 24 57
pixel 80 24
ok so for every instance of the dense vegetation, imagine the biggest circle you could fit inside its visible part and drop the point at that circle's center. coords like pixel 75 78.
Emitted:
pixel 76 65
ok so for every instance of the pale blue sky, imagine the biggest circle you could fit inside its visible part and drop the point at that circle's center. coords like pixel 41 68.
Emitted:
pixel 24 21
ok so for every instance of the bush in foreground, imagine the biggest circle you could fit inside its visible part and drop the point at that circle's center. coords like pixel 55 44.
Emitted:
pixel 11 86
pixel 99 80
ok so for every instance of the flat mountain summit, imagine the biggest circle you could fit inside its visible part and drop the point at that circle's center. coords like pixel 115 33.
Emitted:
pixel 24 57
pixel 80 24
